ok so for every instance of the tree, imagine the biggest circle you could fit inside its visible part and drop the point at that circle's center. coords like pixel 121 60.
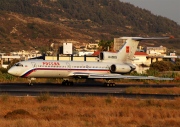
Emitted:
pixel 12 63
pixel 162 66
pixel 105 45
pixel 177 65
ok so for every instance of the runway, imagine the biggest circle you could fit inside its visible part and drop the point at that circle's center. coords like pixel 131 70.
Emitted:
pixel 22 89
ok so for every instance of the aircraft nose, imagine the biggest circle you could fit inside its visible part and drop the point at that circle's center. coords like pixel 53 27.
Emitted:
pixel 12 72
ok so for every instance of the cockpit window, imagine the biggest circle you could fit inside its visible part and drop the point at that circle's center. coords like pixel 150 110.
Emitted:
pixel 18 64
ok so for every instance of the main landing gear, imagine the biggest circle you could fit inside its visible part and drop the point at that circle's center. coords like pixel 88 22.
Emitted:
pixel 67 83
pixel 109 84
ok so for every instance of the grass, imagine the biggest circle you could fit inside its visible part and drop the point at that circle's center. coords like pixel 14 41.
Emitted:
pixel 87 111
pixel 146 90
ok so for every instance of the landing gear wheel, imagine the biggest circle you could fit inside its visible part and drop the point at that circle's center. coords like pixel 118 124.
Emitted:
pixel 71 83
pixel 30 84
pixel 109 84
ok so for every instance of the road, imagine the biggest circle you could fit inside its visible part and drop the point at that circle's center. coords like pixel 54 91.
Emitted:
pixel 22 89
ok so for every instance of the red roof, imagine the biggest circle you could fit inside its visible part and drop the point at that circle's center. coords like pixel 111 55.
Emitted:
pixel 96 53
pixel 141 53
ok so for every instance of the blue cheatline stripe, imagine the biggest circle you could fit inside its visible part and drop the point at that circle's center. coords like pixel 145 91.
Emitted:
pixel 59 69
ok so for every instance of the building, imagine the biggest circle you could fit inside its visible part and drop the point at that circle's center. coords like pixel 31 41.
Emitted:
pixel 81 53
pixel 156 51
pixel 5 59
pixel 92 46
pixel 140 61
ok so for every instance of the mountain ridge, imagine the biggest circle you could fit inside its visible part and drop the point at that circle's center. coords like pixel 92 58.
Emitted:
pixel 37 23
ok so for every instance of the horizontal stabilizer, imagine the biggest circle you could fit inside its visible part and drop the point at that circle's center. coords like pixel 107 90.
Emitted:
pixel 149 38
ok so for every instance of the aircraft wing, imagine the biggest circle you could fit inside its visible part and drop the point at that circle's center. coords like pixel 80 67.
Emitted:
pixel 79 74
pixel 115 76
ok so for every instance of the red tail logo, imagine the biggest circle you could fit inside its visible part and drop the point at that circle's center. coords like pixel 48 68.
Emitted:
pixel 127 49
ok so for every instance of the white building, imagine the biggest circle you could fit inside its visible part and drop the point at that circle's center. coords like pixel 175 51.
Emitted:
pixel 67 48
pixel 5 59
pixel 85 53
pixel 25 55
pixel 140 61
pixel 156 51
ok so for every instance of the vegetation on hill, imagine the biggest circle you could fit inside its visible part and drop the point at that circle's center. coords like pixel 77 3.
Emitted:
pixel 25 24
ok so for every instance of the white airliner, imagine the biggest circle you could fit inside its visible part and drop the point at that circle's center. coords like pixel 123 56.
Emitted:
pixel 110 66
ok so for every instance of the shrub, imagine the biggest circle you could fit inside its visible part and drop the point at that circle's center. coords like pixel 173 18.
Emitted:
pixel 12 63
pixel 48 108
pixel 162 66
pixel 4 97
pixel 8 76
pixel 43 97
pixel 108 100
pixel 152 72
pixel 3 70
pixel 16 114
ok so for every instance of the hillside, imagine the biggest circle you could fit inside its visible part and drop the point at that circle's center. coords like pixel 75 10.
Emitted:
pixel 26 24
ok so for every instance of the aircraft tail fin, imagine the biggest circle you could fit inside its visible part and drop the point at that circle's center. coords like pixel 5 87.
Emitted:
pixel 127 51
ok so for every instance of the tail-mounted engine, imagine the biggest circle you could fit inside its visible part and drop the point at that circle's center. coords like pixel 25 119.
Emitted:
pixel 120 68
pixel 107 56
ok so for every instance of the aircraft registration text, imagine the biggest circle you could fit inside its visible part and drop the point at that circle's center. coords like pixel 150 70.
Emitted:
pixel 112 57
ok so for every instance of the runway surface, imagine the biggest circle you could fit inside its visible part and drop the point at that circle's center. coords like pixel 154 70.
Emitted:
pixel 22 89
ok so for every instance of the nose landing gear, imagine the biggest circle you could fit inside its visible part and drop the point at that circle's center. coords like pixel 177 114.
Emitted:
pixel 30 81
pixel 67 83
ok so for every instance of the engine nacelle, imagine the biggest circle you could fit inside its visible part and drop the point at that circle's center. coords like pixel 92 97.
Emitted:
pixel 108 56
pixel 120 68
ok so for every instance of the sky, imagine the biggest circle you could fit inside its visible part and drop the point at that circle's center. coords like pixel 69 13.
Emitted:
pixel 165 8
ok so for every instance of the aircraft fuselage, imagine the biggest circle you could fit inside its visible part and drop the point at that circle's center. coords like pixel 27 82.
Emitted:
pixel 59 69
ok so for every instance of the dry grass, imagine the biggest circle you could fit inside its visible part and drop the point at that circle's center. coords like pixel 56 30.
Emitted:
pixel 87 111
pixel 139 90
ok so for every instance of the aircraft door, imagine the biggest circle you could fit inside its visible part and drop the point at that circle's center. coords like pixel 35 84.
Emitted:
pixel 34 69
pixel 87 67
pixel 68 66
pixel 33 64
pixel 108 68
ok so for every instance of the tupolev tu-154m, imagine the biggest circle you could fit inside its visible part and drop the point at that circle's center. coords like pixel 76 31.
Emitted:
pixel 110 66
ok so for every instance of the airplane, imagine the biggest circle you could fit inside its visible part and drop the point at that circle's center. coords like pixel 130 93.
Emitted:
pixel 109 66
